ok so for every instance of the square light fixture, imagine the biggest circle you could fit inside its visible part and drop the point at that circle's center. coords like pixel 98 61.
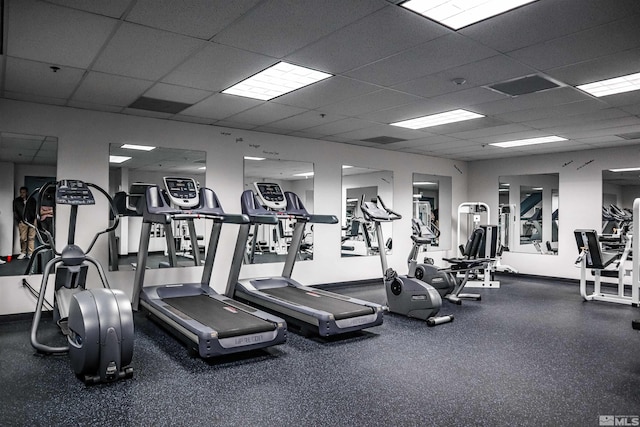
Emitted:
pixel 612 86
pixel 529 141
pixel 456 14
pixel 437 119
pixel 625 170
pixel 276 80
pixel 253 158
pixel 307 174
pixel 118 159
pixel 137 147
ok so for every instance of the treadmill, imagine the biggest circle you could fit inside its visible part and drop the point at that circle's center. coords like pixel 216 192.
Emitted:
pixel 209 324
pixel 308 309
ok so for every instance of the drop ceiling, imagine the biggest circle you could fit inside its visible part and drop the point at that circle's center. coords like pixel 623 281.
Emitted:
pixel 389 64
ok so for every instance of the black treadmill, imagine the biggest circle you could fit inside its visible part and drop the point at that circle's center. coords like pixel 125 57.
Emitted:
pixel 309 309
pixel 209 323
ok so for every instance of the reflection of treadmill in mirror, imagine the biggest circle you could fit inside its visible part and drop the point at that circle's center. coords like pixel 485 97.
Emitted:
pixel 210 324
pixel 308 309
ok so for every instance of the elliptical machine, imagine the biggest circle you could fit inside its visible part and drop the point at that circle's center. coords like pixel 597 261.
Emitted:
pixel 98 323
pixel 406 295
pixel 443 282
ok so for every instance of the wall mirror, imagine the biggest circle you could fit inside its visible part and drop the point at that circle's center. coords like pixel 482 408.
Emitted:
pixel 432 208
pixel 620 187
pixel 358 236
pixel 141 164
pixel 528 213
pixel 270 243
pixel 29 161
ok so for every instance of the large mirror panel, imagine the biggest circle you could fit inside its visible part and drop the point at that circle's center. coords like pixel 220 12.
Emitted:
pixel 270 243
pixel 358 236
pixel 620 187
pixel 432 208
pixel 129 167
pixel 528 213
pixel 25 161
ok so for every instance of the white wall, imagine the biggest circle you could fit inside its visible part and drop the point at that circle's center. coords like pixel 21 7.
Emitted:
pixel 580 198
pixel 86 135
pixel 6 208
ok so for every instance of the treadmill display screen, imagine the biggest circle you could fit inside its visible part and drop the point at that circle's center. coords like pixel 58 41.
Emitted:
pixel 271 192
pixel 73 192
pixel 182 191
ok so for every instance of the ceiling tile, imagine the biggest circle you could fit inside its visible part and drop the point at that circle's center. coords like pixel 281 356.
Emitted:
pixel 340 126
pixel 594 116
pixel 108 89
pixel 196 18
pixel 306 120
pixel 632 109
pixel 468 125
pixel 38 79
pixel 606 67
pixel 33 98
pixel 217 67
pixel 144 53
pixel 424 142
pixel 93 106
pixel 622 99
pixel 146 113
pixel 111 8
pixel 451 51
pixel 192 119
pixel 373 101
pixel 218 106
pixel 234 125
pixel 258 31
pixel 491 131
pixel 381 130
pixel 570 109
pixel 265 113
pixel 468 97
pixel 325 92
pixel 176 93
pixel 546 98
pixel 362 42
pixel 41 32
pixel 582 46
pixel 408 111
pixel 542 21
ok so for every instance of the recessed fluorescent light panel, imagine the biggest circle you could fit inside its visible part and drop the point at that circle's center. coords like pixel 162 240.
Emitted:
pixel 613 86
pixel 438 119
pixel 253 158
pixel 303 174
pixel 530 141
pixel 118 159
pixel 625 170
pixel 137 147
pixel 276 80
pixel 456 14
pixel 425 183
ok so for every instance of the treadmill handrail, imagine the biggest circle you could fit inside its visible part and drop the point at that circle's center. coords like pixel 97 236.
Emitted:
pixel 322 219
pixel 225 218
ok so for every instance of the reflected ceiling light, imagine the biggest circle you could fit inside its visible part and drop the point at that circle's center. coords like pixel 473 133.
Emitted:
pixel 530 141
pixel 438 119
pixel 537 188
pixel 137 147
pixel 118 159
pixel 612 86
pixel 425 183
pixel 276 80
pixel 346 166
pixel 253 158
pixel 503 190
pixel 202 168
pixel 624 170
pixel 352 200
pixel 456 14
pixel 303 174
pixel 417 196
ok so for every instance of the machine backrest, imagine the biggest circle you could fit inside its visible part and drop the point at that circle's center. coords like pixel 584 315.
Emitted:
pixel 209 202
pixel 595 259
pixel 472 249
pixel 489 243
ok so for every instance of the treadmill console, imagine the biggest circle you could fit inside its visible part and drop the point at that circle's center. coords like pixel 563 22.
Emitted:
pixel 73 192
pixel 183 192
pixel 271 195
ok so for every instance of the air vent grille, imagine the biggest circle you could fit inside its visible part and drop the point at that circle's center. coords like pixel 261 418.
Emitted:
pixel 383 140
pixel 631 135
pixel 159 105
pixel 524 85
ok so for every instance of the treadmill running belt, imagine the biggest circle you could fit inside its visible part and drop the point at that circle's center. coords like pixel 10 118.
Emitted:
pixel 227 320
pixel 339 308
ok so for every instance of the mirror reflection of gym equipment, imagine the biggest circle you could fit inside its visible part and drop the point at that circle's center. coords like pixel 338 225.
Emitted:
pixel 533 203
pixel 270 243
pixel 131 170
pixel 358 235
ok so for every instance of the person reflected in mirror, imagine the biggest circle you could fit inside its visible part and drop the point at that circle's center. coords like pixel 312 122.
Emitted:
pixel 25 213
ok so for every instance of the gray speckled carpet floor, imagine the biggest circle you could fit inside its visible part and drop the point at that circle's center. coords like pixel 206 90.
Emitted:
pixel 530 353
